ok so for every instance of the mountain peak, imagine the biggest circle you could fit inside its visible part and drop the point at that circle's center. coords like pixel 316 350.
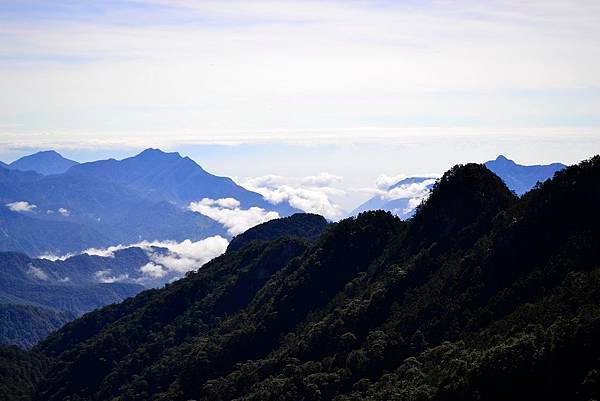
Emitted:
pixel 157 153
pixel 501 159
pixel 44 162
pixel 521 178
pixel 465 195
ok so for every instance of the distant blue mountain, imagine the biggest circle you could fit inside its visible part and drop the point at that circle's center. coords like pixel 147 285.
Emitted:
pixel 162 176
pixel 519 178
pixel 110 202
pixel 89 212
pixel 45 162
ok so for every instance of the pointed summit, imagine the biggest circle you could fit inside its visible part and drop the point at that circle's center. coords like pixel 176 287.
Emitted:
pixel 169 177
pixel 521 178
pixel 45 162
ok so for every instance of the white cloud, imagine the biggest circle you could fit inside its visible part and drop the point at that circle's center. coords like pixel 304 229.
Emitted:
pixel 413 190
pixel 387 190
pixel 64 212
pixel 21 207
pixel 179 258
pixel 37 272
pixel 227 203
pixel 384 181
pixel 311 194
pixel 347 66
pixel 106 276
pixel 153 270
pixel 321 180
pixel 227 212
pixel 52 257
pixel 414 202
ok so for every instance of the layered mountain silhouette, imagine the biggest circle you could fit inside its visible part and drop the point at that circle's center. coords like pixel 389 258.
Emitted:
pixel 45 162
pixel 110 202
pixel 402 198
pixel 483 295
pixel 38 296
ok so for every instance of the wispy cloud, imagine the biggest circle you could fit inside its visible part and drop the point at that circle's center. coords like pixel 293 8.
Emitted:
pixel 300 70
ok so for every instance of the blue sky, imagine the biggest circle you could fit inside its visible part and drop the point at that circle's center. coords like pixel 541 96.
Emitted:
pixel 352 88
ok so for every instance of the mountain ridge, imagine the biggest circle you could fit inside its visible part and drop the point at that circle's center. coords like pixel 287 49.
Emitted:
pixel 519 178
pixel 436 308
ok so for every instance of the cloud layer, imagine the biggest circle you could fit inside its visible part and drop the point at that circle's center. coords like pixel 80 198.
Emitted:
pixel 301 70
pixel 179 258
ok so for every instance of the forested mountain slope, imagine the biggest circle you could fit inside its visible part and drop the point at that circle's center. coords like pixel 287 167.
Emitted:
pixel 299 225
pixel 481 296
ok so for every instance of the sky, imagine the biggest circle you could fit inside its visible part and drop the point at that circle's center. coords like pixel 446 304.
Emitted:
pixel 296 89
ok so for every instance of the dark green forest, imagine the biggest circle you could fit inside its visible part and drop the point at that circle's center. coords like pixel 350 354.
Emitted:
pixel 482 295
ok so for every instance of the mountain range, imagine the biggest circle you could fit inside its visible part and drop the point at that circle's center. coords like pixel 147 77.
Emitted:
pixel 38 296
pixel 482 295
pixel 403 197
pixel 109 202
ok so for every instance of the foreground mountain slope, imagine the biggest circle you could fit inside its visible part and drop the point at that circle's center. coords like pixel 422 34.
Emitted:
pixel 299 225
pixel 480 289
pixel 45 162
pixel 19 372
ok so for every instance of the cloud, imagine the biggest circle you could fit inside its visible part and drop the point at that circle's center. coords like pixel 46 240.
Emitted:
pixel 180 257
pixel 387 190
pixel 37 272
pixel 310 194
pixel 321 180
pixel 188 255
pixel 153 270
pixel 412 190
pixel 21 207
pixel 64 212
pixel 105 276
pixel 437 62
pixel 227 212
pixel 227 203
pixel 384 181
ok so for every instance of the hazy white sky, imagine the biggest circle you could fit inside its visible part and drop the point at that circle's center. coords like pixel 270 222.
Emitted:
pixel 352 88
